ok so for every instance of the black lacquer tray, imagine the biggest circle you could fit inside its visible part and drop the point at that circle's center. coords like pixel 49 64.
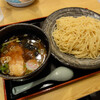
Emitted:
pixel 48 85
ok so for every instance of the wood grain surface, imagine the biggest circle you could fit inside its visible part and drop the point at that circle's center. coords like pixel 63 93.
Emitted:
pixel 42 8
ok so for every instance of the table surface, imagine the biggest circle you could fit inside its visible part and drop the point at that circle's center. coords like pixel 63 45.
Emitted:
pixel 42 8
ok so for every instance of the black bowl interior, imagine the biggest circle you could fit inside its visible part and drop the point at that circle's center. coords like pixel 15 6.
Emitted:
pixel 67 59
pixel 31 30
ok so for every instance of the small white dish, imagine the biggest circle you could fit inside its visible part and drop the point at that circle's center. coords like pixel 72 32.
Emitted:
pixel 22 4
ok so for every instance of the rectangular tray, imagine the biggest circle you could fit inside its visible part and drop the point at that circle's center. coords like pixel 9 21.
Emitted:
pixel 48 85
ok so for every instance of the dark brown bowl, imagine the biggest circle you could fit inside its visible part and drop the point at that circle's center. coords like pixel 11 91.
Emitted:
pixel 67 59
pixel 23 28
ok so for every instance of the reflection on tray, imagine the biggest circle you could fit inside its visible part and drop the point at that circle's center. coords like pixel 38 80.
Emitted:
pixel 49 84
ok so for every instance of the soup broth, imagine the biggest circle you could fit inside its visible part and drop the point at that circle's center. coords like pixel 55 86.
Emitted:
pixel 21 55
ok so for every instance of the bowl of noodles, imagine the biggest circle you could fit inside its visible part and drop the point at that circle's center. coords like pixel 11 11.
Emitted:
pixel 24 51
pixel 75 37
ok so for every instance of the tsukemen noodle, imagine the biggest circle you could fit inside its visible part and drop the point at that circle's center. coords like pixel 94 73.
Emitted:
pixel 21 55
pixel 78 36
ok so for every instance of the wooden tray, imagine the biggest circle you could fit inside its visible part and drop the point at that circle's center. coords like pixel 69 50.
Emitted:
pixel 48 85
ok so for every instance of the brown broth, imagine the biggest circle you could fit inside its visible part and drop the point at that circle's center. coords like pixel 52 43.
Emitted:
pixel 21 55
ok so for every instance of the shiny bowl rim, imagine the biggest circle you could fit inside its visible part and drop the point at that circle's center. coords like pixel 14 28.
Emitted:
pixel 20 2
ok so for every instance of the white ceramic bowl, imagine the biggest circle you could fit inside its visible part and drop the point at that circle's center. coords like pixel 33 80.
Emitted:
pixel 22 4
